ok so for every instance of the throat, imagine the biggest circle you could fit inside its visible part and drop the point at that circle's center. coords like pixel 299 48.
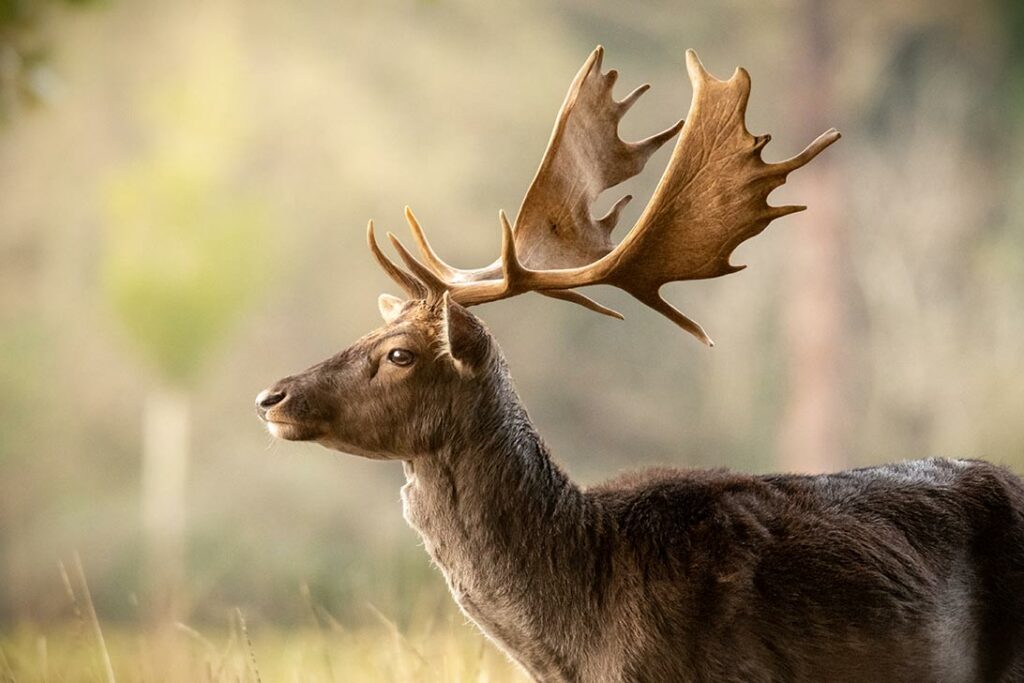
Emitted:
pixel 486 502
pixel 505 525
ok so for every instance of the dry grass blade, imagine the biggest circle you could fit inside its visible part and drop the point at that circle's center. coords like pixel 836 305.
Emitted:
pixel 108 668
pixel 197 636
pixel 80 623
pixel 42 650
pixel 72 598
pixel 307 598
pixel 225 654
pixel 402 643
pixel 248 642
pixel 332 621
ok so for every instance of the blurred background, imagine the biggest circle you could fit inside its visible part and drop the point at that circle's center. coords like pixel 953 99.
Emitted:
pixel 184 189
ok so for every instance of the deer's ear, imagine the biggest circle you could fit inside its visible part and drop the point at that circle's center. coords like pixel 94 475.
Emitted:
pixel 390 307
pixel 461 337
pixel 445 335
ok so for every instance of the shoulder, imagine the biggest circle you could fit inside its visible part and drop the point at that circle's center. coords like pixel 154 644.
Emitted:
pixel 671 511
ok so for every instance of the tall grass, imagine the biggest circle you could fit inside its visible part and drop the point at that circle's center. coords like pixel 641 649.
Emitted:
pixel 441 649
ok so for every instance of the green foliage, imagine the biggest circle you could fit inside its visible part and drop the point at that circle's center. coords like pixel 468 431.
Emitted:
pixel 185 248
pixel 183 257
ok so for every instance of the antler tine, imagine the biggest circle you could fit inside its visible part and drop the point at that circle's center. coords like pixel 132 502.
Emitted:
pixel 780 211
pixel 572 296
pixel 652 144
pixel 413 288
pixel 812 150
pixel 511 268
pixel 675 315
pixel 695 68
pixel 629 100
pixel 431 282
pixel 611 219
pixel 429 255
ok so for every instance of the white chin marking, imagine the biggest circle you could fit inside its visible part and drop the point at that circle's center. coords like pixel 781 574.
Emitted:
pixel 275 430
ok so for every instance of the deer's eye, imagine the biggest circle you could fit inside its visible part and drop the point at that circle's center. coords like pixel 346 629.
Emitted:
pixel 401 357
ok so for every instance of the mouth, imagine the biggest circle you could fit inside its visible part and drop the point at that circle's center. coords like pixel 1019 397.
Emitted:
pixel 272 409
pixel 289 431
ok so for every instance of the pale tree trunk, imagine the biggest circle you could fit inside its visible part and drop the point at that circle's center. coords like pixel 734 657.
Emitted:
pixel 810 437
pixel 164 474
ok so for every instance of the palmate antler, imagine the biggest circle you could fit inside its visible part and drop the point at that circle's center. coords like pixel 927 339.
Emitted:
pixel 711 197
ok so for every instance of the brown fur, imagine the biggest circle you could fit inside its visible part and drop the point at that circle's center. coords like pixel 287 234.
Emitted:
pixel 906 572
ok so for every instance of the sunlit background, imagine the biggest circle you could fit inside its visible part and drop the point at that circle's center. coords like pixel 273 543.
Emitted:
pixel 183 193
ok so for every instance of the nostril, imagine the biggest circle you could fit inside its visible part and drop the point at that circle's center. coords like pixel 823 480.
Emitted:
pixel 268 398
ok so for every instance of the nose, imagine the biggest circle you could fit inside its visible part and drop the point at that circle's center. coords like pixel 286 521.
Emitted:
pixel 267 399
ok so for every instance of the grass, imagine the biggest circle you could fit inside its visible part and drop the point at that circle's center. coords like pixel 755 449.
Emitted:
pixel 183 654
pixel 442 650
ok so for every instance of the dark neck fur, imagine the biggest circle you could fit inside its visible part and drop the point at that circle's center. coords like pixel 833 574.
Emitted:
pixel 512 533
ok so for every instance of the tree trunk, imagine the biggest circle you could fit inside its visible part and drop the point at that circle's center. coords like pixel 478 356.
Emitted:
pixel 164 475
pixel 810 438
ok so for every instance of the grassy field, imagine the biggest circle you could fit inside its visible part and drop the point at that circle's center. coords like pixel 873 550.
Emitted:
pixel 442 648
pixel 443 653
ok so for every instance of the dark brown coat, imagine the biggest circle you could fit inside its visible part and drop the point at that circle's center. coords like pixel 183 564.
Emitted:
pixel 905 572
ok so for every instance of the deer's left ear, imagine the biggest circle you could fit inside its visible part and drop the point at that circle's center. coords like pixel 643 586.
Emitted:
pixel 390 307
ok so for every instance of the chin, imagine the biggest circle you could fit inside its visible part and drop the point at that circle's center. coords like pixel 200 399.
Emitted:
pixel 289 431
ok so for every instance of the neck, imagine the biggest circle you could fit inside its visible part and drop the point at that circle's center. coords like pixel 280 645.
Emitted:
pixel 508 529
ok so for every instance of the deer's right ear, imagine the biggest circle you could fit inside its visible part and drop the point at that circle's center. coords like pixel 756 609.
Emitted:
pixel 390 307
pixel 461 337
pixel 445 333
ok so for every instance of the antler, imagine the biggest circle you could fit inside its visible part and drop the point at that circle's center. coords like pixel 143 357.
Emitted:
pixel 584 157
pixel 711 197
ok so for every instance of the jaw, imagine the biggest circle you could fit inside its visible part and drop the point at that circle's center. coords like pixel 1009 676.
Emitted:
pixel 330 442
pixel 321 434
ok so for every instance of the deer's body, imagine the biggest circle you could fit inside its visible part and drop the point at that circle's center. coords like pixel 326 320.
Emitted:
pixel 911 572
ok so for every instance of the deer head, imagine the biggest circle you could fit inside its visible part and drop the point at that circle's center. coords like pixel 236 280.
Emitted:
pixel 390 393
pixel 393 393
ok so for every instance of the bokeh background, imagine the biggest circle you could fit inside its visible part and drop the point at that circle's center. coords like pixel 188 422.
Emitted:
pixel 183 193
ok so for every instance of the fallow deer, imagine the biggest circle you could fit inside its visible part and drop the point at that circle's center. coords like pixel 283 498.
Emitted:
pixel 905 572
